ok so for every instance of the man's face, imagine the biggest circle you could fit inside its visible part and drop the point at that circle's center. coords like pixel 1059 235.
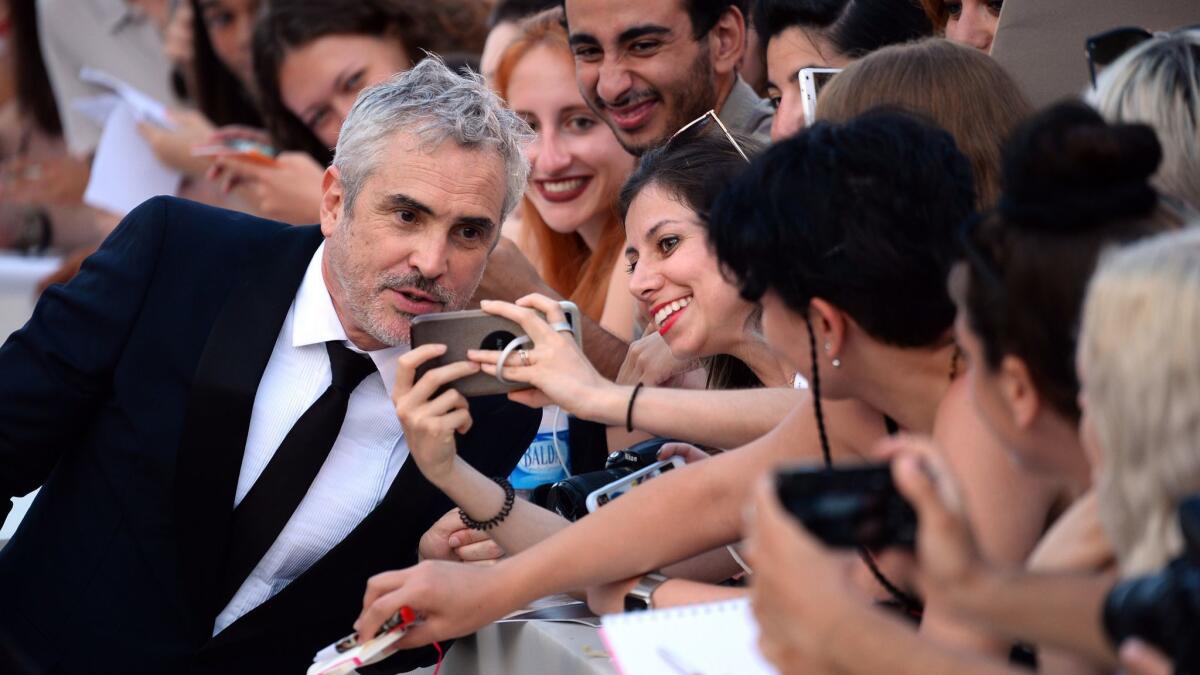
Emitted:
pixel 640 68
pixel 416 240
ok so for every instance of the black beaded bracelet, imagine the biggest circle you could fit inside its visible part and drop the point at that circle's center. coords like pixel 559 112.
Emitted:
pixel 510 496
pixel 629 412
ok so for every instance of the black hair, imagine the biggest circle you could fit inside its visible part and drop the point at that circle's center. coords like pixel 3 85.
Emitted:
pixel 703 14
pixel 1072 185
pixel 854 27
pixel 445 26
pixel 692 168
pixel 219 94
pixel 34 95
pixel 861 214
pixel 508 11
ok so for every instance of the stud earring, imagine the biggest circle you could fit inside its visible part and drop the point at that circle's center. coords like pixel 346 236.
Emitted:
pixel 837 363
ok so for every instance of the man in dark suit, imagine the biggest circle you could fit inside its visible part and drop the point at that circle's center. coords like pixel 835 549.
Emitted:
pixel 207 405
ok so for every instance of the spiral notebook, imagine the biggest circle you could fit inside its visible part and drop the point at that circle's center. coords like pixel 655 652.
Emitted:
pixel 718 638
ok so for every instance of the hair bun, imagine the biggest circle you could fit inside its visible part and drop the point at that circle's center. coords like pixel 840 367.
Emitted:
pixel 1067 169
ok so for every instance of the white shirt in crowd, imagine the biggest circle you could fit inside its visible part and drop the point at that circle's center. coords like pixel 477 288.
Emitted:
pixel 367 455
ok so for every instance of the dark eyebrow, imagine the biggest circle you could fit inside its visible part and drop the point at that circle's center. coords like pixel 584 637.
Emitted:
pixel 478 221
pixel 401 201
pixel 630 34
pixel 582 39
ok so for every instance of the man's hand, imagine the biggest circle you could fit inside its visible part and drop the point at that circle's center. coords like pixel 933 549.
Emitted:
pixel 430 421
pixel 448 539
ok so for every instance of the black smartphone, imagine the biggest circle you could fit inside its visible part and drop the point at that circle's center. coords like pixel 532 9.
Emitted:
pixel 849 507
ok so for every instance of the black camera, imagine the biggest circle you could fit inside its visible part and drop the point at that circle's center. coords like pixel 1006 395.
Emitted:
pixel 1164 608
pixel 849 507
pixel 568 498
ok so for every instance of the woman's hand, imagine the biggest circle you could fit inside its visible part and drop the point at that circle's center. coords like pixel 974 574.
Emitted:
pixel 429 419
pixel 173 147
pixel 557 368
pixel 54 181
pixel 1139 658
pixel 948 557
pixel 610 598
pixel 802 594
pixel 449 539
pixel 687 451
pixel 287 190
pixel 453 600
pixel 651 362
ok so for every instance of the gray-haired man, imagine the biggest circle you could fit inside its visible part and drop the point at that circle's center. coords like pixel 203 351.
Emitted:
pixel 207 405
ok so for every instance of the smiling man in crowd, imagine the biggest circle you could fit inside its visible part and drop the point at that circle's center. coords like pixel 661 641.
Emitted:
pixel 649 68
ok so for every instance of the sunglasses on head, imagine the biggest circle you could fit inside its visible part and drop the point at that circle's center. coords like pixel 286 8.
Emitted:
pixel 701 121
pixel 1105 48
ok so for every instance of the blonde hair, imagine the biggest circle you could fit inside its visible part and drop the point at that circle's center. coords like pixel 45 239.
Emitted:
pixel 958 88
pixel 1141 372
pixel 1158 83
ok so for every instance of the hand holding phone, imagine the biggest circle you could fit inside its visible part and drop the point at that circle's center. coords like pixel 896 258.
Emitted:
pixel 347 655
pixel 849 507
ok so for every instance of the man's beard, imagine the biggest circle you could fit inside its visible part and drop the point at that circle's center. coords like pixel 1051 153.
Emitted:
pixel 696 95
pixel 364 298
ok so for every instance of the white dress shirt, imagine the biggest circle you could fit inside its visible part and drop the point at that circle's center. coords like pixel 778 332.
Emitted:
pixel 367 455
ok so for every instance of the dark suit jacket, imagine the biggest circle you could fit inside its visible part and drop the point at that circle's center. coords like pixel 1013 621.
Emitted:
pixel 127 397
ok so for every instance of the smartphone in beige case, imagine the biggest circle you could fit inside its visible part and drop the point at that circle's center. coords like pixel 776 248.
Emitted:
pixel 475 329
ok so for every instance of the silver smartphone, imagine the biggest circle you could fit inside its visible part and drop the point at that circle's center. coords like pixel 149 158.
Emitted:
pixel 475 329
pixel 812 80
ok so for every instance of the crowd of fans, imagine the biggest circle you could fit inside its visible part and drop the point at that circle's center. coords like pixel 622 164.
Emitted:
pixel 997 301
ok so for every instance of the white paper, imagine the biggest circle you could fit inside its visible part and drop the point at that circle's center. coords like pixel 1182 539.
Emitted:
pixel 125 171
pixel 20 273
pixel 145 108
pixel 718 638
pixel 97 108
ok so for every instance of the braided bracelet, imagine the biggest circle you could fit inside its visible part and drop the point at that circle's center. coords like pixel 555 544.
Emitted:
pixel 510 496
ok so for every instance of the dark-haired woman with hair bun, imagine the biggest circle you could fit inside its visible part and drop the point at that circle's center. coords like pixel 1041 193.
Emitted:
pixel 1073 185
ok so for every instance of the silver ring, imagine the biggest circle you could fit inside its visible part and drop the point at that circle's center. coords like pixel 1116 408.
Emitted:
pixel 504 354
pixel 562 327
pixel 524 356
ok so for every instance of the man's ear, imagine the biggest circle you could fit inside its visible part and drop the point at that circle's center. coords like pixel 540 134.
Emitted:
pixel 331 201
pixel 829 328
pixel 1018 391
pixel 727 41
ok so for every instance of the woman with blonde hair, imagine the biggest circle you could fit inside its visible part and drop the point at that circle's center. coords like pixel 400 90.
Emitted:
pixel 962 90
pixel 569 227
pixel 1158 83
pixel 1140 373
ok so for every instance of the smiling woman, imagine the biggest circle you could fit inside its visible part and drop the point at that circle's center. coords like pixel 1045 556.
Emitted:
pixel 569 225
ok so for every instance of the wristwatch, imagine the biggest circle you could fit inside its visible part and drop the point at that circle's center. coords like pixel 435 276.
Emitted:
pixel 640 597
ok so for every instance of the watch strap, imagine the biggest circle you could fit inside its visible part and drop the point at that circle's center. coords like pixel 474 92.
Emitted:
pixel 641 596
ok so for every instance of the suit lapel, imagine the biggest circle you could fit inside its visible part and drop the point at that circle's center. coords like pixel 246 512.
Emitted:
pixel 387 538
pixel 220 402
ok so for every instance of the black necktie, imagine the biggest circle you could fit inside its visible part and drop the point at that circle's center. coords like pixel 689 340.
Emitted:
pixel 266 508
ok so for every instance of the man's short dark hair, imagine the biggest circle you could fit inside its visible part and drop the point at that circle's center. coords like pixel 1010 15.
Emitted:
pixel 704 14
pixel 512 11
pixel 863 215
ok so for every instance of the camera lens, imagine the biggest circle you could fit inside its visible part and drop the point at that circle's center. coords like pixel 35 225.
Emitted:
pixel 498 340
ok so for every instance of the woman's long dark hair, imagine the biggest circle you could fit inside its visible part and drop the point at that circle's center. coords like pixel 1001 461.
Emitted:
pixel 441 27
pixel 219 94
pixel 694 167
pixel 34 96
